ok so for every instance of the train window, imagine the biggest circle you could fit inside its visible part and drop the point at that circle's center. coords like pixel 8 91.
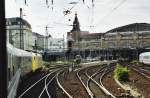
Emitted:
pixel 146 57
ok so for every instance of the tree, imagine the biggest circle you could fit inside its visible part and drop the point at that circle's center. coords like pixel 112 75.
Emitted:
pixel 121 73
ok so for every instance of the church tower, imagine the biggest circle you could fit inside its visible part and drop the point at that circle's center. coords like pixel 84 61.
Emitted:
pixel 74 34
pixel 76 25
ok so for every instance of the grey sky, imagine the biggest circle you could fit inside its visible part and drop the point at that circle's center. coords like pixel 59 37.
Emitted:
pixel 107 14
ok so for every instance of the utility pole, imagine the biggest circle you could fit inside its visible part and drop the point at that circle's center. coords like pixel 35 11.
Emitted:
pixel 21 31
pixel 46 38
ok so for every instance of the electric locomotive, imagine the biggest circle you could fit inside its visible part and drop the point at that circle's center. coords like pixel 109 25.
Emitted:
pixel 20 62
pixel 144 58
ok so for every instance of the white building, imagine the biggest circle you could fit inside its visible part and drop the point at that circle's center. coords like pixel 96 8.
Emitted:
pixel 38 41
pixel 14 29
pixel 56 44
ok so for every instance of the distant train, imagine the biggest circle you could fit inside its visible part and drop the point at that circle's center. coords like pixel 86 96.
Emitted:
pixel 144 58
pixel 20 62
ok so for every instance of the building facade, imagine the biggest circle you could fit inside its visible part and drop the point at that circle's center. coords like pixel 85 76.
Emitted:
pixel 122 42
pixel 135 35
pixel 81 40
pixel 38 41
pixel 19 33
pixel 56 45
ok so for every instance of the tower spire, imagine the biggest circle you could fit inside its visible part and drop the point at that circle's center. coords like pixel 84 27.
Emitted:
pixel 76 25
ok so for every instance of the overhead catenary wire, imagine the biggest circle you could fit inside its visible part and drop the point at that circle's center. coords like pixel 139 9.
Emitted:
pixel 110 12
pixel 74 5
pixel 92 3
pixel 25 2
pixel 69 10
pixel 91 15
pixel 91 19
pixel 52 2
pixel 47 3
pixel 92 24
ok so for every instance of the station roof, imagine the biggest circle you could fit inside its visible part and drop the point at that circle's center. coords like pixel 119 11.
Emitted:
pixel 15 21
pixel 92 35
pixel 17 52
pixel 131 28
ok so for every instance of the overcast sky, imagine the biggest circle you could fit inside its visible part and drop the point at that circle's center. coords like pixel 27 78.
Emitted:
pixel 105 15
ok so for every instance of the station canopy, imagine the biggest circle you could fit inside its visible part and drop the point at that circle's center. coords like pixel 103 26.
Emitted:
pixel 17 52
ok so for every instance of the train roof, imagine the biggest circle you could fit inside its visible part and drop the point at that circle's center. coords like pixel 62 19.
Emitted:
pixel 17 52
pixel 145 53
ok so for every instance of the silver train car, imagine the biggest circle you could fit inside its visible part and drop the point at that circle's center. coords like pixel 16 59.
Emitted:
pixel 20 62
pixel 144 58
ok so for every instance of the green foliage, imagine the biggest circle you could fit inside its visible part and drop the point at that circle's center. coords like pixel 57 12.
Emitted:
pixel 60 62
pixel 46 64
pixel 121 73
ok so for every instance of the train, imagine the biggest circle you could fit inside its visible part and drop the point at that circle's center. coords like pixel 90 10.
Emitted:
pixel 144 58
pixel 20 63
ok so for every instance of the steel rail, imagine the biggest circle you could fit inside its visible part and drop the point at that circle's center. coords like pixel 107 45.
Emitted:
pixel 33 85
pixel 139 71
pixel 59 84
pixel 92 79
pixel 47 84
pixel 104 89
pixel 142 71
pixel 87 89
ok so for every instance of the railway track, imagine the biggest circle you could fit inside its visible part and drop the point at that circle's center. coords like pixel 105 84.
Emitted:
pixel 144 72
pixel 81 83
pixel 81 74
pixel 60 86
pixel 97 78
pixel 70 84
pixel 33 90
pixel 139 79
pixel 94 88
pixel 45 93
pixel 44 87
pixel 111 87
